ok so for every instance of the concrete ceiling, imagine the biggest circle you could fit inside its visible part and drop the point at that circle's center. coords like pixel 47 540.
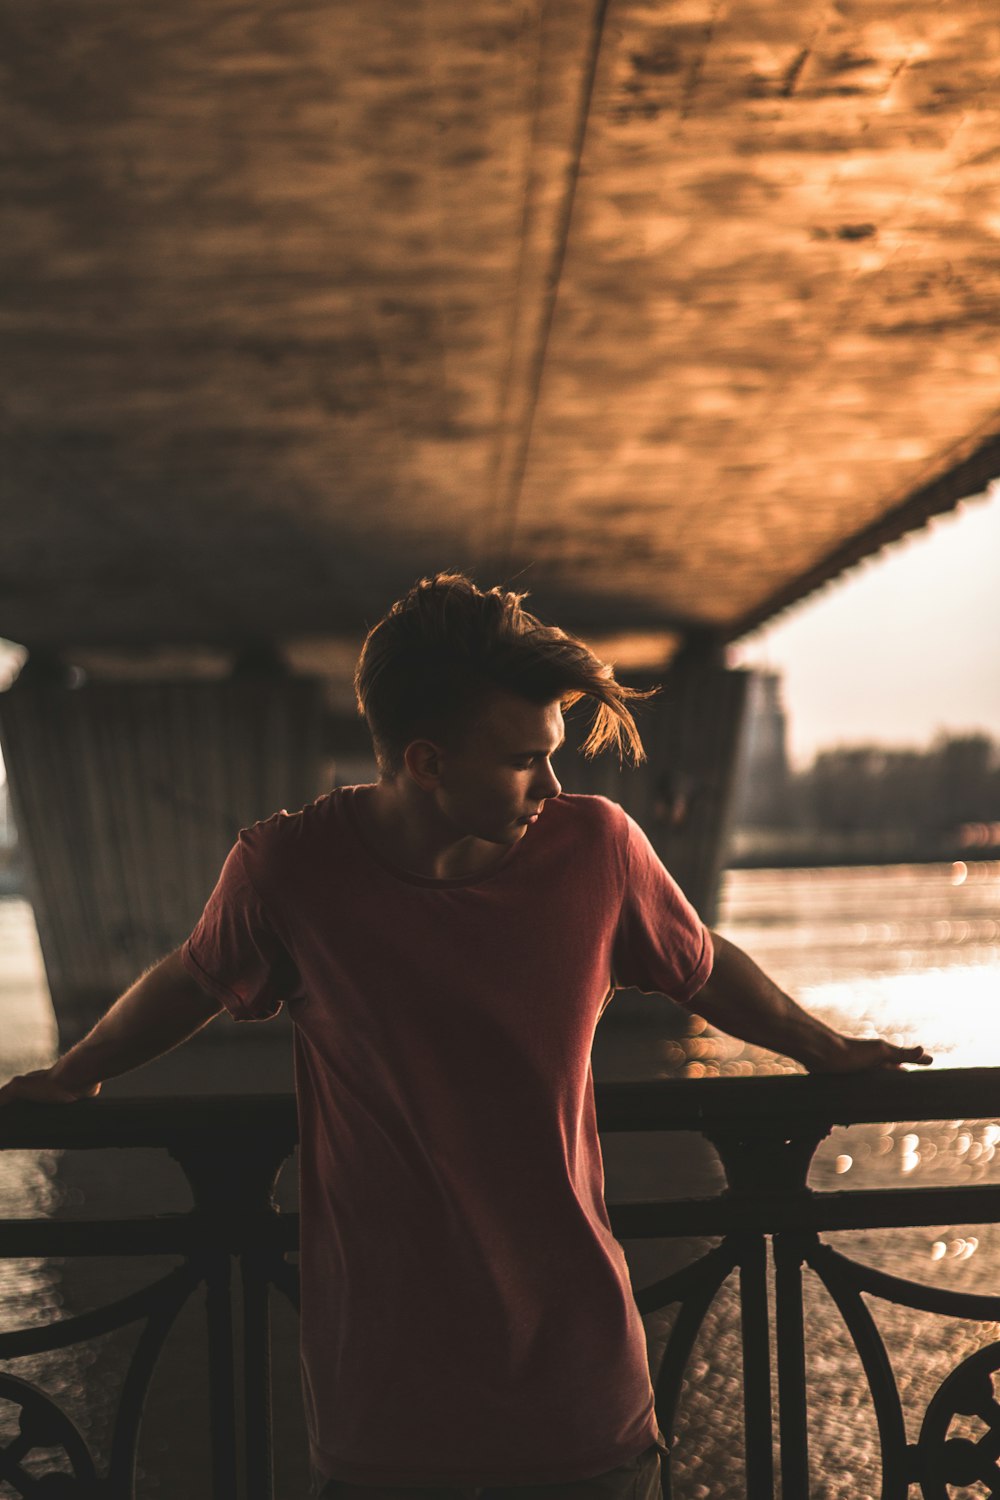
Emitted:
pixel 668 310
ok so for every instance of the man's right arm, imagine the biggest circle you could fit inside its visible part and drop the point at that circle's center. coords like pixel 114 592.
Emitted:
pixel 162 1009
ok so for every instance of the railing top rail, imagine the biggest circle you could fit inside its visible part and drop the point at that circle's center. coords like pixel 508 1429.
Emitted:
pixel 804 1100
pixel 799 1103
pixel 170 1121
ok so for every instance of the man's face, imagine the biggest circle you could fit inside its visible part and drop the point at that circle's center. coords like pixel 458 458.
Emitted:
pixel 496 776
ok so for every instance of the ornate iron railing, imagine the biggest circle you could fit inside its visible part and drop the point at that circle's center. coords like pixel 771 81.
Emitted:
pixel 765 1131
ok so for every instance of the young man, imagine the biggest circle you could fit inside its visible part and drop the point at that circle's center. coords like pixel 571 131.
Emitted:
pixel 445 942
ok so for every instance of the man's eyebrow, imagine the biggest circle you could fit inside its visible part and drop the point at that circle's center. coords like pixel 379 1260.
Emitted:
pixel 553 751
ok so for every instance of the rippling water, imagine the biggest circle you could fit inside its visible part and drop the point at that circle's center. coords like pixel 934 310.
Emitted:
pixel 912 952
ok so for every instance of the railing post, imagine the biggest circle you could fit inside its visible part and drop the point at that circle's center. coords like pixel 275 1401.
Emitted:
pixel 221 1376
pixel 234 1194
pixel 756 1370
pixel 257 1375
pixel 792 1402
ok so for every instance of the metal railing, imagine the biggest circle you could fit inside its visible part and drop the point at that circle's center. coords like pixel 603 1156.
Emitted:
pixel 765 1131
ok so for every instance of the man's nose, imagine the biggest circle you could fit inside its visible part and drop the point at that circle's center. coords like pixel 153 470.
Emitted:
pixel 546 783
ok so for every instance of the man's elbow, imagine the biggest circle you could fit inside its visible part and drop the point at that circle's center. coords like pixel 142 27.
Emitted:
pixel 173 972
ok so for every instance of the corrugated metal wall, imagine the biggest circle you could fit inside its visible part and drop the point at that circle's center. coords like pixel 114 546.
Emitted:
pixel 128 797
pixel 682 794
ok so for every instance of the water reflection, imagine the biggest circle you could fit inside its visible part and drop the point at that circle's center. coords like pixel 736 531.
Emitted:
pixel 906 951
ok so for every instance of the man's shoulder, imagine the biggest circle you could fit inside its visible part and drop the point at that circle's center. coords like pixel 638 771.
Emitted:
pixel 288 834
pixel 597 815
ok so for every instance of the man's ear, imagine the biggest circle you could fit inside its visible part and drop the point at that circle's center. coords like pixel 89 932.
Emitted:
pixel 422 759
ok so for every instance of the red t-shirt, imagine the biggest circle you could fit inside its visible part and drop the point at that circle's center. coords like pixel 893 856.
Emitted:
pixel 467 1315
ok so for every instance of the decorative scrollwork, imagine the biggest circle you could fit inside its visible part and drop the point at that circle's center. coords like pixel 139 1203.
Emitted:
pixel 44 1426
pixel 968 1391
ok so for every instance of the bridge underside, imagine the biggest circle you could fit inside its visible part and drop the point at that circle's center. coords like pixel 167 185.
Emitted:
pixel 667 311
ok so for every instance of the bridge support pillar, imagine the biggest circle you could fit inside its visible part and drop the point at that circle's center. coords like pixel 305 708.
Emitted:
pixel 128 796
pixel 682 794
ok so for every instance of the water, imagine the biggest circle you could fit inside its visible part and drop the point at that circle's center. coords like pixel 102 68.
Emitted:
pixel 912 953
pixel 909 952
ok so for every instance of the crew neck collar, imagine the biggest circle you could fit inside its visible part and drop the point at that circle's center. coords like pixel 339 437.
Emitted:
pixel 349 799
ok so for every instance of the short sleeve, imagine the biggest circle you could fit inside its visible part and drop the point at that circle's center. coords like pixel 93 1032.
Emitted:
pixel 661 944
pixel 234 952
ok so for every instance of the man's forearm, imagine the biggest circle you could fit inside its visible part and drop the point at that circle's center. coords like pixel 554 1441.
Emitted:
pixel 740 999
pixel 162 1009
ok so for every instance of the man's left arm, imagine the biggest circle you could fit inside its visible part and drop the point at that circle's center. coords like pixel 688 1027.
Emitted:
pixel 740 999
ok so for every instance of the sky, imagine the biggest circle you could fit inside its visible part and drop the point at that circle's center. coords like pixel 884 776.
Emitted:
pixel 902 647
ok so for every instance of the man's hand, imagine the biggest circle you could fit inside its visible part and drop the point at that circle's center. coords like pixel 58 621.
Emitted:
pixel 862 1054
pixel 43 1087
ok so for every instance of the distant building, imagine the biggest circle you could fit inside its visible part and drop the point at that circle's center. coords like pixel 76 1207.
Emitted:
pixel 763 787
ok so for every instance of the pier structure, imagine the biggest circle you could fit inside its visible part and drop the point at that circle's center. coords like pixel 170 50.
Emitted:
pixel 667 317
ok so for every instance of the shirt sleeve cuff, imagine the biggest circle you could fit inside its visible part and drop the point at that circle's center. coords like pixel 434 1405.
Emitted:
pixel 237 1007
pixel 699 974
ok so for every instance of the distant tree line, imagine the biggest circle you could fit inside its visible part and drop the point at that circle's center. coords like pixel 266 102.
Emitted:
pixel 955 782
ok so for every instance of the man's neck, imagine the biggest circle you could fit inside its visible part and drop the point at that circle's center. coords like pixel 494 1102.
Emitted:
pixel 407 830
